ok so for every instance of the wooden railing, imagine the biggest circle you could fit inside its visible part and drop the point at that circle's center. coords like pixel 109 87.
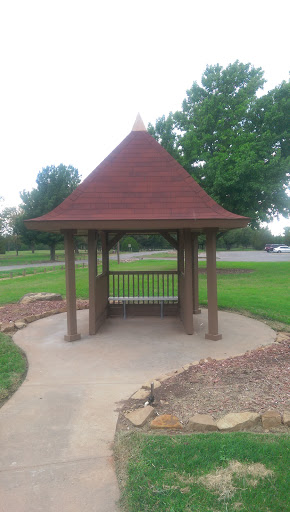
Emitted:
pixel 143 284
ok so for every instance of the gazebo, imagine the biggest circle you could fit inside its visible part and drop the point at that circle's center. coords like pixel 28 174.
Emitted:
pixel 140 188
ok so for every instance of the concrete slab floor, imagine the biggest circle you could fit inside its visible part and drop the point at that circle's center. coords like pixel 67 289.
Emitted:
pixel 57 430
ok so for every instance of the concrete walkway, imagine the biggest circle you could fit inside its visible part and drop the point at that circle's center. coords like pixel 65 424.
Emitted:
pixel 56 432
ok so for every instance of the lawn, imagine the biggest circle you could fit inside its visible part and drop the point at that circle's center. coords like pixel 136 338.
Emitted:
pixel 263 293
pixel 13 367
pixel 27 258
pixel 203 472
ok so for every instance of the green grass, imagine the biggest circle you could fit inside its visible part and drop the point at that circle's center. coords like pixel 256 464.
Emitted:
pixel 26 257
pixel 160 472
pixel 263 293
pixel 13 367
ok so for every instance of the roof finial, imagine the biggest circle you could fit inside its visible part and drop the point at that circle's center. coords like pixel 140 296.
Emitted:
pixel 139 126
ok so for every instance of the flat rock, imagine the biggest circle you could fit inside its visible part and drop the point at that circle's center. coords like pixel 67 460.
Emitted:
pixel 19 324
pixel 34 297
pixel 271 419
pixel 30 318
pixel 147 385
pixel 235 421
pixel 202 423
pixel 139 417
pixel 286 418
pixel 167 421
pixel 7 327
pixel 141 394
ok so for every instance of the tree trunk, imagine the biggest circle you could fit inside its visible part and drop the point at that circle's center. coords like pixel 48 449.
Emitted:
pixel 32 248
pixel 52 253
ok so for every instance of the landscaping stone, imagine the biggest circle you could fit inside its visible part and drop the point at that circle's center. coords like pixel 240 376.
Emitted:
pixel 167 421
pixel 30 319
pixel 139 417
pixel 235 421
pixel 34 297
pixel 147 385
pixel 286 418
pixel 271 419
pixel 45 314
pixel 19 324
pixel 141 394
pixel 202 423
pixel 7 327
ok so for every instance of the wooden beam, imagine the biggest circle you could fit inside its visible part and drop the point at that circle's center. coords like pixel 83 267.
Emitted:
pixel 92 260
pixel 72 334
pixel 170 239
pixel 196 309
pixel 115 240
pixel 212 327
pixel 188 299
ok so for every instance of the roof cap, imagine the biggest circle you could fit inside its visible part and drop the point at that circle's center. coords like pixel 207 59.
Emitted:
pixel 139 126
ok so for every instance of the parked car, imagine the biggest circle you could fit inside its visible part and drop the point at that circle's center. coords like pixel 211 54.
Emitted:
pixel 282 248
pixel 270 247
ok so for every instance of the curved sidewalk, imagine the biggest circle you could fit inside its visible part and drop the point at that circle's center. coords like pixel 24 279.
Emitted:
pixel 56 432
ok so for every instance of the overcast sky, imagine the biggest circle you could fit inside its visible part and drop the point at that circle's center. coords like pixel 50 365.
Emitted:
pixel 74 74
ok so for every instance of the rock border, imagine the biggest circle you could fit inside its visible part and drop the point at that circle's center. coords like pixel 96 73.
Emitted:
pixel 231 422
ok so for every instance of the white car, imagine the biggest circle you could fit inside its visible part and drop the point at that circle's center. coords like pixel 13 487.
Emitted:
pixel 282 248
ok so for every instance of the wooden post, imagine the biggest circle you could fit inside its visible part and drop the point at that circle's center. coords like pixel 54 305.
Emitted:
pixel 92 260
pixel 105 264
pixel 72 334
pixel 212 333
pixel 180 272
pixel 188 295
pixel 196 309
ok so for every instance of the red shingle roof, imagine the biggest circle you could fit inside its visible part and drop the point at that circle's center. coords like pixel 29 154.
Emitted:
pixel 138 180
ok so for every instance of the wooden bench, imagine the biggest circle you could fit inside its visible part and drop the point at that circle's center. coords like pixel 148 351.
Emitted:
pixel 144 299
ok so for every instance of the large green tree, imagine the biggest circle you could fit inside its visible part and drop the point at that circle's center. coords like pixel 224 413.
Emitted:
pixel 233 143
pixel 54 184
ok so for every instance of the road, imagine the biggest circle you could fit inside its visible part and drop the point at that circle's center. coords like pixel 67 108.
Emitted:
pixel 251 256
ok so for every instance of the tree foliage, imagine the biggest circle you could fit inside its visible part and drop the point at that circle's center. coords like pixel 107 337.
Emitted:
pixel 54 184
pixel 234 144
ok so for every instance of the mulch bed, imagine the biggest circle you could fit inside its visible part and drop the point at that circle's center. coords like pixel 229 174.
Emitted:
pixel 13 312
pixel 257 381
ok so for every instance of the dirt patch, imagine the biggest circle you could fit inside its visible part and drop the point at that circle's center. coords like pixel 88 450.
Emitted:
pixel 13 312
pixel 257 382
pixel 221 481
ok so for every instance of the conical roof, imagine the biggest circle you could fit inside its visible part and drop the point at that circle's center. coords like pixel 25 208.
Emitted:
pixel 139 181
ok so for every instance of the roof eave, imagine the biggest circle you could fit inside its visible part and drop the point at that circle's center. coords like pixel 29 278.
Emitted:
pixel 137 224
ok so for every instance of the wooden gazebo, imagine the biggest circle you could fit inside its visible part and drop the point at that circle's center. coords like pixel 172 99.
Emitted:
pixel 140 188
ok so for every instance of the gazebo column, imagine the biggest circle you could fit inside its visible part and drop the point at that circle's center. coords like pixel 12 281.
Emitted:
pixel 72 334
pixel 105 267
pixel 188 295
pixel 180 271
pixel 212 333
pixel 92 260
pixel 196 309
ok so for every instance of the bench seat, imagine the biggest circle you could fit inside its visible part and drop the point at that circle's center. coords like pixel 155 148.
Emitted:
pixel 125 300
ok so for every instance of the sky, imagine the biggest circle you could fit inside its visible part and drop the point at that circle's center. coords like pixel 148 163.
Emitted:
pixel 74 74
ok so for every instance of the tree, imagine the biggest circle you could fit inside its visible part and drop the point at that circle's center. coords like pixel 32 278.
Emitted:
pixel 9 226
pixel 54 184
pixel 234 144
